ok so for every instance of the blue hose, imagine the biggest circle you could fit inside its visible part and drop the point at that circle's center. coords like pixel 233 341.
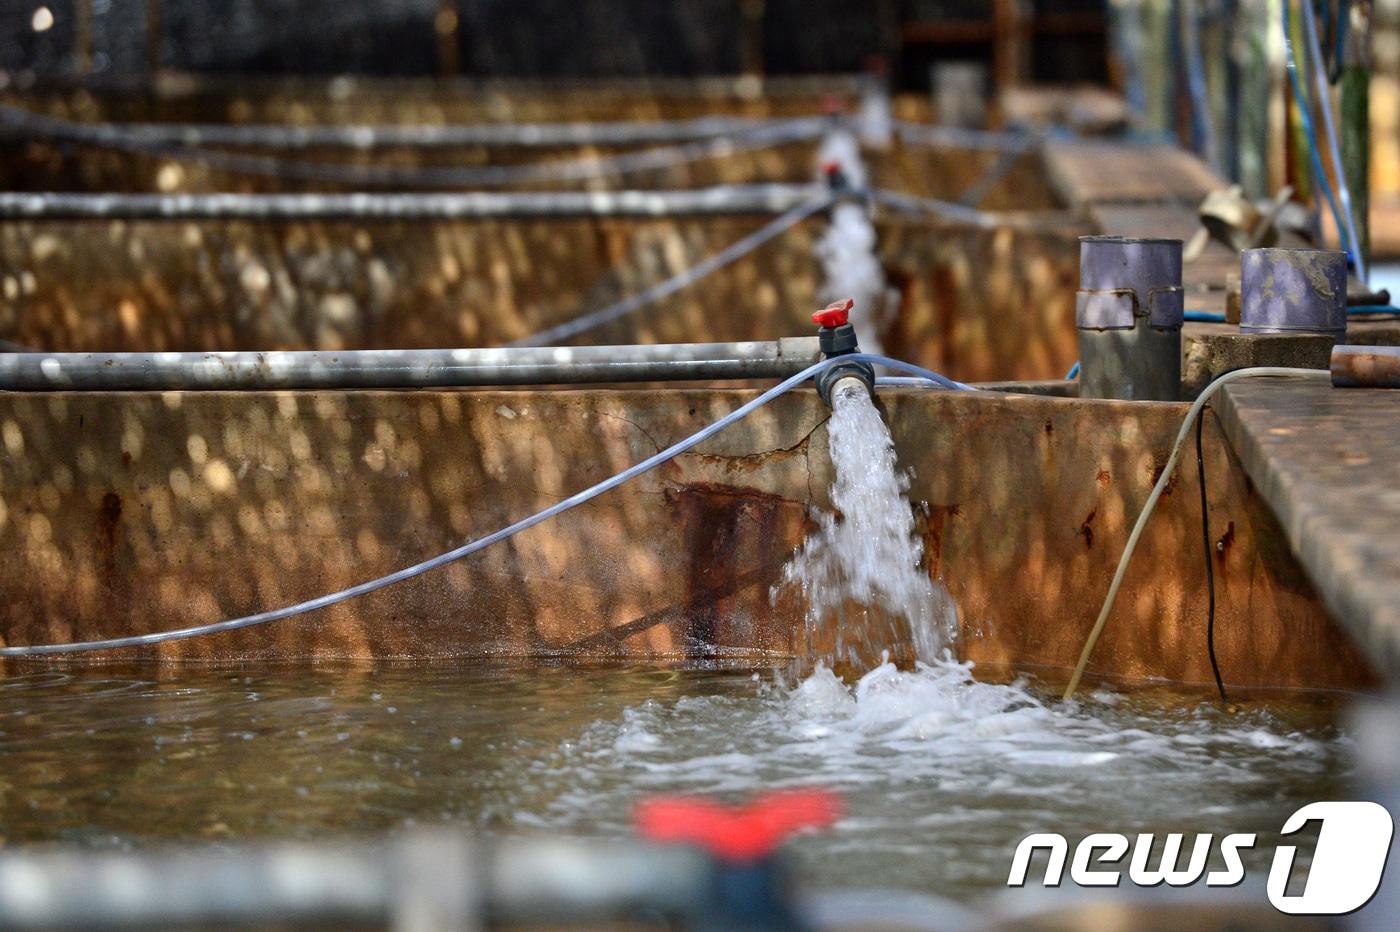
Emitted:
pixel 1203 317
pixel 418 569
pixel 1073 372
pixel 1305 117
pixel 1334 147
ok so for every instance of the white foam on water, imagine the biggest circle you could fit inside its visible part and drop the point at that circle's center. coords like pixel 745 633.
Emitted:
pixel 866 555
pixel 943 774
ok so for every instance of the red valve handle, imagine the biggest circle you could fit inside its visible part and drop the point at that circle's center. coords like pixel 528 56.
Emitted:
pixel 836 313
pixel 736 833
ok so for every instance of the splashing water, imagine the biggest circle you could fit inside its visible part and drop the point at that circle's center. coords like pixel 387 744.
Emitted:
pixel 943 774
pixel 860 571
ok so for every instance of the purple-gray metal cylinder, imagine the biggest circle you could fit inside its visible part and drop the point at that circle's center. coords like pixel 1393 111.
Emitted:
pixel 1122 278
pixel 1293 291
pixel 1129 314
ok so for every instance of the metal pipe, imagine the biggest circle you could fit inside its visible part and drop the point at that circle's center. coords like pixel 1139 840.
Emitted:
pixel 1129 314
pixel 422 880
pixel 1375 723
pixel 476 205
pixel 415 136
pixel 379 369
pixel 1366 366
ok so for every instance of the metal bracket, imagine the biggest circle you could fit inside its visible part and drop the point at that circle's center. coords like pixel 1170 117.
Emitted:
pixel 1106 310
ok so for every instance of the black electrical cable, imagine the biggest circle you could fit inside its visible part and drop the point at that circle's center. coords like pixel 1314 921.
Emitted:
pixel 1210 566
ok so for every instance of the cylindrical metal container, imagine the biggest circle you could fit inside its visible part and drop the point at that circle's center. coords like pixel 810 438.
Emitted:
pixel 1293 291
pixel 1129 313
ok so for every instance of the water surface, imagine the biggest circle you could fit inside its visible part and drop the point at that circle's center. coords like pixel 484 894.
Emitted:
pixel 941 775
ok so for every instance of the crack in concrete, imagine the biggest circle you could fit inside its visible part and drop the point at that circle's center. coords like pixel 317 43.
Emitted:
pixel 644 432
pixel 761 456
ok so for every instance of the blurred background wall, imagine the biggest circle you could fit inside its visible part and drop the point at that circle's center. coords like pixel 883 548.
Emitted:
pixel 1037 39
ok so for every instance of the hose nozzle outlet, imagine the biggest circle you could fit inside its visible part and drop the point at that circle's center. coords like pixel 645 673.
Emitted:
pixel 838 338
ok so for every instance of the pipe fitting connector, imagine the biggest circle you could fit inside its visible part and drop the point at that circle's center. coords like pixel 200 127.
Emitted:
pixel 837 338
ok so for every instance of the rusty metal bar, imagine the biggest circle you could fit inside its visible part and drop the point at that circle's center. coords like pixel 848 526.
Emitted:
pixel 1366 366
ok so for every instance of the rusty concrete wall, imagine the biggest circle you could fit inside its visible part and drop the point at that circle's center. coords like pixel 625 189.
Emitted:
pixel 41 166
pixel 991 304
pixel 341 100
pixel 1027 503
pixel 125 513
pixel 158 285
pixel 193 286
pixel 927 171
pixel 951 173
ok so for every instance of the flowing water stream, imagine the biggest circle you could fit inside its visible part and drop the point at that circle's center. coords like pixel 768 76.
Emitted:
pixel 859 572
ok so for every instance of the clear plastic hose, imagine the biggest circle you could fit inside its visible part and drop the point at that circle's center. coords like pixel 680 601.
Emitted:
pixel 418 569
pixel 1191 414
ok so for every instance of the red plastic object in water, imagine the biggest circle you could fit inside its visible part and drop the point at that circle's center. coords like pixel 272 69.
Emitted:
pixel 835 314
pixel 736 833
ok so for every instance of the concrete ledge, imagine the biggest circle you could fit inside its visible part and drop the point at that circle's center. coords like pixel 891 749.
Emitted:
pixel 1208 351
pixel 1325 460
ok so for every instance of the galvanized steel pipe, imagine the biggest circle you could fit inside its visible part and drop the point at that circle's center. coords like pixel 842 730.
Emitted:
pixel 22 124
pixel 382 369
pixel 475 205
pixel 420 880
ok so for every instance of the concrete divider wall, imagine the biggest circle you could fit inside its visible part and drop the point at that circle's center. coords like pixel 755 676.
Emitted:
pixel 174 98
pixel 126 513
pixel 984 304
pixel 42 166
pixel 157 285
pixel 38 165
